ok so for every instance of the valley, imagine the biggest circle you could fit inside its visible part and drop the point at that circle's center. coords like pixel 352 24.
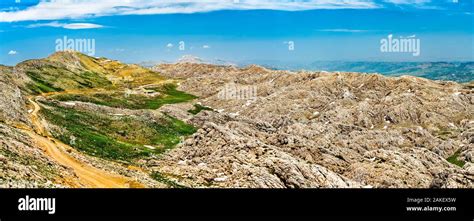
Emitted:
pixel 86 140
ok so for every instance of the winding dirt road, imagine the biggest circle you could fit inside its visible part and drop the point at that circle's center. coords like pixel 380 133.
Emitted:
pixel 88 176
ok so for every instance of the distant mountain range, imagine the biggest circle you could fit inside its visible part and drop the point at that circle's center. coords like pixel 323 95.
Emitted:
pixel 447 71
pixel 188 59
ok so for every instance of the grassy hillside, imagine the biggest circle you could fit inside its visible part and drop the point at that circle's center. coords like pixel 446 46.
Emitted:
pixel 167 94
pixel 122 138
pixel 73 76
pixel 71 70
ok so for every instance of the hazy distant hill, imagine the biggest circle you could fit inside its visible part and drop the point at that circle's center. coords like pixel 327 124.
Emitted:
pixel 447 71
pixel 188 59
pixel 451 71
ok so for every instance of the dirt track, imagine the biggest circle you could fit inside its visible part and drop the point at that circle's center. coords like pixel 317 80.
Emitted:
pixel 88 176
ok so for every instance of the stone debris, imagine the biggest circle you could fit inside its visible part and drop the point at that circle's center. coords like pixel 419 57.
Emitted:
pixel 321 129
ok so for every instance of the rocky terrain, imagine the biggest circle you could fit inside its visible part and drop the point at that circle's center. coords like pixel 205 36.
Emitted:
pixel 319 129
pixel 201 125
pixel 22 163
pixel 26 158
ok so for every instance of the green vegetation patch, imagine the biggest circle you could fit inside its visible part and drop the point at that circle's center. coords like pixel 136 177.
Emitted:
pixel 198 108
pixel 454 159
pixel 120 138
pixel 163 179
pixel 446 133
pixel 167 95
pixel 172 95
pixel 40 86
pixel 50 78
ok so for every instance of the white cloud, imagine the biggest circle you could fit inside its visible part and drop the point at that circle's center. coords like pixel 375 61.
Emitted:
pixel 421 4
pixel 12 52
pixel 82 26
pixel 66 26
pixel 343 30
pixel 404 2
pixel 206 46
pixel 67 9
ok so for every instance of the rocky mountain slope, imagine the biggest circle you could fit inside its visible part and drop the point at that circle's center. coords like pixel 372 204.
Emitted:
pixel 311 129
pixel 33 153
pixel 22 163
pixel 201 125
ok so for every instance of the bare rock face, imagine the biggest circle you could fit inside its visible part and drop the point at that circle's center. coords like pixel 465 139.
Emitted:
pixel 229 156
pixel 24 165
pixel 312 129
pixel 12 101
pixel 220 154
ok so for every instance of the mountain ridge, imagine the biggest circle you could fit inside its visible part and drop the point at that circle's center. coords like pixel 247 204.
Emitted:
pixel 462 71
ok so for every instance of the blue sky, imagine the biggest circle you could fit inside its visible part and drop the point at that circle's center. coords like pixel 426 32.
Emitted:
pixel 145 30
